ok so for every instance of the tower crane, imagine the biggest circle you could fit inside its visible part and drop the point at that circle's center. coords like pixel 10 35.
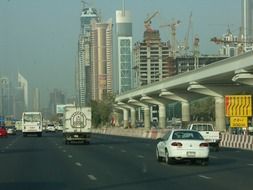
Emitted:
pixel 173 27
pixel 147 21
pixel 196 52
pixel 186 39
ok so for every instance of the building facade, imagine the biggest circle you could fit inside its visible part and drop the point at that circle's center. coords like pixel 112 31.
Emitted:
pixel 101 64
pixel 151 59
pixel 36 100
pixel 55 97
pixel 123 67
pixel 83 66
pixel 23 84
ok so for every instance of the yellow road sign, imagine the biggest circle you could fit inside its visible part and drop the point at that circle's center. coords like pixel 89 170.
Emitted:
pixel 238 105
pixel 239 122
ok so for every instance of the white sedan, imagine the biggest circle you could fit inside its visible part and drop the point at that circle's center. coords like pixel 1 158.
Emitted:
pixel 182 145
pixel 50 128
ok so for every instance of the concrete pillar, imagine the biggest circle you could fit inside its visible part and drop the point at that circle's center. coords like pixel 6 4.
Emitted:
pixel 185 111
pixel 132 113
pixel 184 103
pixel 219 103
pixel 147 117
pixel 146 111
pixel 220 114
pixel 162 112
pixel 125 115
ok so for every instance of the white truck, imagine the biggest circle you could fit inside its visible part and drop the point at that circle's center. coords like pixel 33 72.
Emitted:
pixel 77 124
pixel 208 132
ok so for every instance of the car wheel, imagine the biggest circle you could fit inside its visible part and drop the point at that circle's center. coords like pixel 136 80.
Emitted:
pixel 204 162
pixel 158 157
pixel 168 160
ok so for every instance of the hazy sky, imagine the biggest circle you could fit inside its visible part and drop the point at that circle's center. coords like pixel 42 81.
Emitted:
pixel 39 38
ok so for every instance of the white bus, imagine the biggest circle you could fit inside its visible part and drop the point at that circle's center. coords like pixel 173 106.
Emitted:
pixel 32 123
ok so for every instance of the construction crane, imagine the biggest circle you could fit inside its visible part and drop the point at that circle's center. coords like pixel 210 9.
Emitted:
pixel 173 27
pixel 196 52
pixel 186 39
pixel 147 22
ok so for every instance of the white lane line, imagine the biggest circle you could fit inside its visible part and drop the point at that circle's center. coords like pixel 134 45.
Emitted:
pixel 78 164
pixel 123 150
pixel 140 156
pixel 111 147
pixel 215 157
pixel 250 164
pixel 204 177
pixel 70 156
pixel 92 177
pixel 63 150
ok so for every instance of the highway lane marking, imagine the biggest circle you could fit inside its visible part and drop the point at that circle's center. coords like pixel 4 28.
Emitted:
pixel 250 164
pixel 78 164
pixel 64 151
pixel 215 157
pixel 123 150
pixel 111 147
pixel 70 156
pixel 140 156
pixel 204 177
pixel 92 177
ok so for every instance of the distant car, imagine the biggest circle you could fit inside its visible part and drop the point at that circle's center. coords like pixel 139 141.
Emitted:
pixel 11 130
pixel 180 144
pixel 59 127
pixel 3 132
pixel 50 128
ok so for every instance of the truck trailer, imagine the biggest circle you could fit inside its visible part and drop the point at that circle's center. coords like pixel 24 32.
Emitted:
pixel 77 124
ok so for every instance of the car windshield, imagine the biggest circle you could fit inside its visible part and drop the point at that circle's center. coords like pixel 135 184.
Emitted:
pixel 187 135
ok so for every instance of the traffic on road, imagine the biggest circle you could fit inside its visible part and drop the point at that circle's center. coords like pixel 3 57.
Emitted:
pixel 113 162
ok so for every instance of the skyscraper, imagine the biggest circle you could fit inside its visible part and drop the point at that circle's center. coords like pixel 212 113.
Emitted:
pixel 23 84
pixel 101 69
pixel 247 21
pixel 36 100
pixel 123 66
pixel 83 67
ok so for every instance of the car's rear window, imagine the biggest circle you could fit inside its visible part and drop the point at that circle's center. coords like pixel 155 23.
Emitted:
pixel 187 135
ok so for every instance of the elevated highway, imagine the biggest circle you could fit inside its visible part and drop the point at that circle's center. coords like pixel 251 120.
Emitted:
pixel 230 76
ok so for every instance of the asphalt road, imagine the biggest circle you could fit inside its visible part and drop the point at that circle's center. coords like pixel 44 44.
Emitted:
pixel 109 162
